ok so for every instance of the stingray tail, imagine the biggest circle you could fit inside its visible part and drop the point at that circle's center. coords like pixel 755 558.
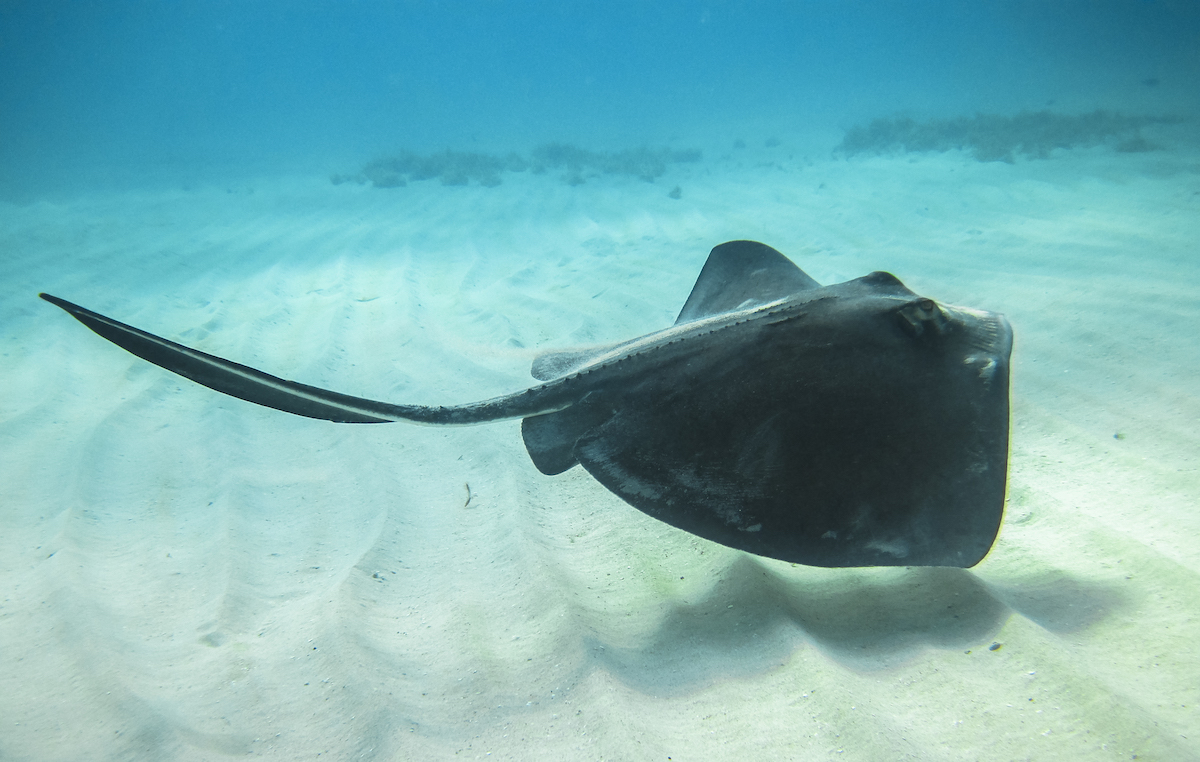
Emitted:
pixel 230 377
pixel 252 385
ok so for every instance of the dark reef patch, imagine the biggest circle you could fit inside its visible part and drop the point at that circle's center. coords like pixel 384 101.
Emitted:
pixel 643 163
pixel 452 167
pixel 992 137
pixel 461 167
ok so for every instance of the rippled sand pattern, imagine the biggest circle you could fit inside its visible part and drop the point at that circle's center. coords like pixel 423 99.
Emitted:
pixel 187 576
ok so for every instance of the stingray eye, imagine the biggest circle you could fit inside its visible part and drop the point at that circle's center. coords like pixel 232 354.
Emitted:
pixel 921 317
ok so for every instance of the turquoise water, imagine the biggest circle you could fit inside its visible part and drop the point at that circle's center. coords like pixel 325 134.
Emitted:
pixel 102 93
pixel 412 201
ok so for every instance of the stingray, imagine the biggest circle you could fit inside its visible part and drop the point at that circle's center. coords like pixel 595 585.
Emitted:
pixel 856 424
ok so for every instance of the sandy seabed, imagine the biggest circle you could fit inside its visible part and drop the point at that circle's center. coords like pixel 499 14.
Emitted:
pixel 187 576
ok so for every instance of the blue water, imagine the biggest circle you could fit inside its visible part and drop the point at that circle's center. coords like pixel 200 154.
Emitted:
pixel 188 576
pixel 128 92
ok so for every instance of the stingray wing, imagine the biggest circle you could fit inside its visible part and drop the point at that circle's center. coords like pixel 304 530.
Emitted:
pixel 864 427
pixel 738 275
pixel 742 274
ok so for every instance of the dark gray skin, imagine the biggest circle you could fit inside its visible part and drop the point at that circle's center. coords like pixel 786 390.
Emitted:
pixel 857 424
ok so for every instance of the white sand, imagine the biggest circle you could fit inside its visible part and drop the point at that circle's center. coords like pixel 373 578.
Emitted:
pixel 186 576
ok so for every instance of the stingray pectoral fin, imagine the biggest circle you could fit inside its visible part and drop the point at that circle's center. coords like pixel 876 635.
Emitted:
pixel 741 274
pixel 551 439
pixel 552 365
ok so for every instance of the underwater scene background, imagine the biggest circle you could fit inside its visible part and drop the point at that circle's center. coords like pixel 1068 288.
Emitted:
pixel 410 202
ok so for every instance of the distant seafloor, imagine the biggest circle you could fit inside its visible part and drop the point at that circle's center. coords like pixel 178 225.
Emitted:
pixel 187 576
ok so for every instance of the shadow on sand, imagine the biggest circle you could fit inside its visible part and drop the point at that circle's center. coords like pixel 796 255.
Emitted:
pixel 755 617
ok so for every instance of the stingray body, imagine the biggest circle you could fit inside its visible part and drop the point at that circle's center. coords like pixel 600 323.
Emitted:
pixel 856 424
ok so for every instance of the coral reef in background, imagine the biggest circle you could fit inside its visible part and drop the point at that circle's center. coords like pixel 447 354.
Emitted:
pixel 642 163
pixel 460 167
pixel 452 167
pixel 992 137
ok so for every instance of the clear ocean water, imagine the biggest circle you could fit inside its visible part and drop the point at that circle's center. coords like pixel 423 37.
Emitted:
pixel 96 93
pixel 411 202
